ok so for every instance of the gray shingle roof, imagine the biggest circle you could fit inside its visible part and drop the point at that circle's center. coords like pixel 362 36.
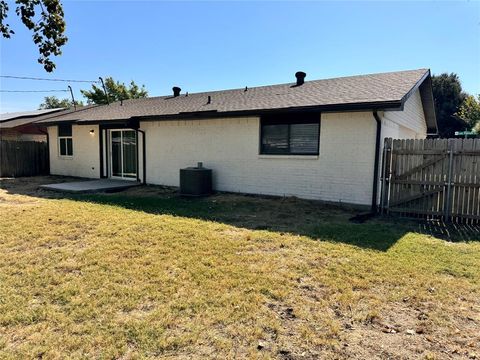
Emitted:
pixel 26 114
pixel 386 88
pixel 33 117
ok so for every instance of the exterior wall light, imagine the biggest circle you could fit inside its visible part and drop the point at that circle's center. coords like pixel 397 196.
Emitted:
pixel 92 132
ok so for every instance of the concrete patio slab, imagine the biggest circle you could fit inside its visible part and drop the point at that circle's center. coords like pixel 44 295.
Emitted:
pixel 91 186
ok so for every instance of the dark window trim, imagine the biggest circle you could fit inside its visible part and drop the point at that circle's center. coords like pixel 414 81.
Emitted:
pixel 62 127
pixel 286 118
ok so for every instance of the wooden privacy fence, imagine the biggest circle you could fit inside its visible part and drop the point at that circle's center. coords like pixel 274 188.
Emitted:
pixel 432 178
pixel 23 158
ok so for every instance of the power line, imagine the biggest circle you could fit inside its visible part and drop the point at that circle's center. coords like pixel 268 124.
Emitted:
pixel 32 91
pixel 45 79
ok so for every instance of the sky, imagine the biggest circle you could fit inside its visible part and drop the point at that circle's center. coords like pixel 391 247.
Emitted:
pixel 202 46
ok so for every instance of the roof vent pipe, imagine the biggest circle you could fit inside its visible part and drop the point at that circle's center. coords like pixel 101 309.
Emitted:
pixel 300 75
pixel 176 91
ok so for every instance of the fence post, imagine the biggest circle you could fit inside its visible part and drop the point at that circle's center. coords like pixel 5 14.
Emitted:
pixel 15 154
pixel 384 173
pixel 448 203
pixel 390 170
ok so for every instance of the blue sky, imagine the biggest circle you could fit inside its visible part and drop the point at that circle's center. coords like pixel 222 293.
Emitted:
pixel 219 45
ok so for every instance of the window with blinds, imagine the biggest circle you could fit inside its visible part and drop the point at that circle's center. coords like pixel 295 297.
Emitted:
pixel 290 134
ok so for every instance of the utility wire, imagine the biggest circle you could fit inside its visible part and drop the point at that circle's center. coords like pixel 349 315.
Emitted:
pixel 32 91
pixel 45 79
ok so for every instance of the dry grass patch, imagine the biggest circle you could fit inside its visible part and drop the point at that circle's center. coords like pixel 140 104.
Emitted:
pixel 117 276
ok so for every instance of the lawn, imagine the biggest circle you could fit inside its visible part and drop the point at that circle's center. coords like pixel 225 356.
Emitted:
pixel 146 274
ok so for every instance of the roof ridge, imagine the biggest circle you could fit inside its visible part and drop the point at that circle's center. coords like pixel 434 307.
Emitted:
pixel 275 85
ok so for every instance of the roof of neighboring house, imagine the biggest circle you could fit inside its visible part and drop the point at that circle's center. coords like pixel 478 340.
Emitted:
pixel 26 114
pixel 29 118
pixel 10 124
pixel 384 91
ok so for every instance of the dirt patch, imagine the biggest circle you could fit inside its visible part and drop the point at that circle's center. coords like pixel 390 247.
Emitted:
pixel 403 332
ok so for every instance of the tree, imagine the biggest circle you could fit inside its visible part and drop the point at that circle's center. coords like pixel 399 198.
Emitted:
pixel 116 91
pixel 470 110
pixel 48 28
pixel 448 95
pixel 52 102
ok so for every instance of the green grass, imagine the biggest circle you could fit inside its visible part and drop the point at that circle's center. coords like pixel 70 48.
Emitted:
pixel 152 275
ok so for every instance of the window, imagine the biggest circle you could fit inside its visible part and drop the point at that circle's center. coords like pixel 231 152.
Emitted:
pixel 290 134
pixel 65 143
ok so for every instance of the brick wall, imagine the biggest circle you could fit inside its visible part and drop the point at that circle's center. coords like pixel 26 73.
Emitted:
pixel 342 172
pixel 85 161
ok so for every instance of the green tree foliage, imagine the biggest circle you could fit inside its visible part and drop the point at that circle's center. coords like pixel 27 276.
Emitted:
pixel 116 91
pixel 448 95
pixel 470 111
pixel 48 28
pixel 52 102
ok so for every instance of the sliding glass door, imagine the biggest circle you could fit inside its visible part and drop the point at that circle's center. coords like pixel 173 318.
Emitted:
pixel 123 153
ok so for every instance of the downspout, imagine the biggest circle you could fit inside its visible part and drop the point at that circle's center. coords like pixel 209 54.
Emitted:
pixel 377 161
pixel 100 145
pixel 144 159
pixel 136 153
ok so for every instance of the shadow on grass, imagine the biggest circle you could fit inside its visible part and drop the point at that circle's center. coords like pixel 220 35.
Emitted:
pixel 317 220
pixel 290 215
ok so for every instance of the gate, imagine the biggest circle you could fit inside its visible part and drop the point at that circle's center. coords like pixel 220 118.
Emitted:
pixel 432 178
pixel 23 158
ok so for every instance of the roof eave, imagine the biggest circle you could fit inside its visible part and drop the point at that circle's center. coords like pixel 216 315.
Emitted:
pixel 383 105
pixel 393 105
pixel 424 85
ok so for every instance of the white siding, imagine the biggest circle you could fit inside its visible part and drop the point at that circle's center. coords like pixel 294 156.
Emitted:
pixel 341 173
pixel 410 122
pixel 85 161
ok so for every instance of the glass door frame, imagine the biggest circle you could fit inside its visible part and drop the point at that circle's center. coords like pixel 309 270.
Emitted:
pixel 110 155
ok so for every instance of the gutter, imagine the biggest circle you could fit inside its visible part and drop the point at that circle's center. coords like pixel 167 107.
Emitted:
pixel 391 105
pixel 382 106
pixel 377 161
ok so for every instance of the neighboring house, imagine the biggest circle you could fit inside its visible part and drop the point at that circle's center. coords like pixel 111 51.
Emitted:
pixel 22 126
pixel 317 139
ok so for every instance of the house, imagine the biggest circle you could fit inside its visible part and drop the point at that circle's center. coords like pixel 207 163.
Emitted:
pixel 22 126
pixel 317 139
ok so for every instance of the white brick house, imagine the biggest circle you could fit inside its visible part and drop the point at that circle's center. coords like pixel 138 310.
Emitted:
pixel 312 139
